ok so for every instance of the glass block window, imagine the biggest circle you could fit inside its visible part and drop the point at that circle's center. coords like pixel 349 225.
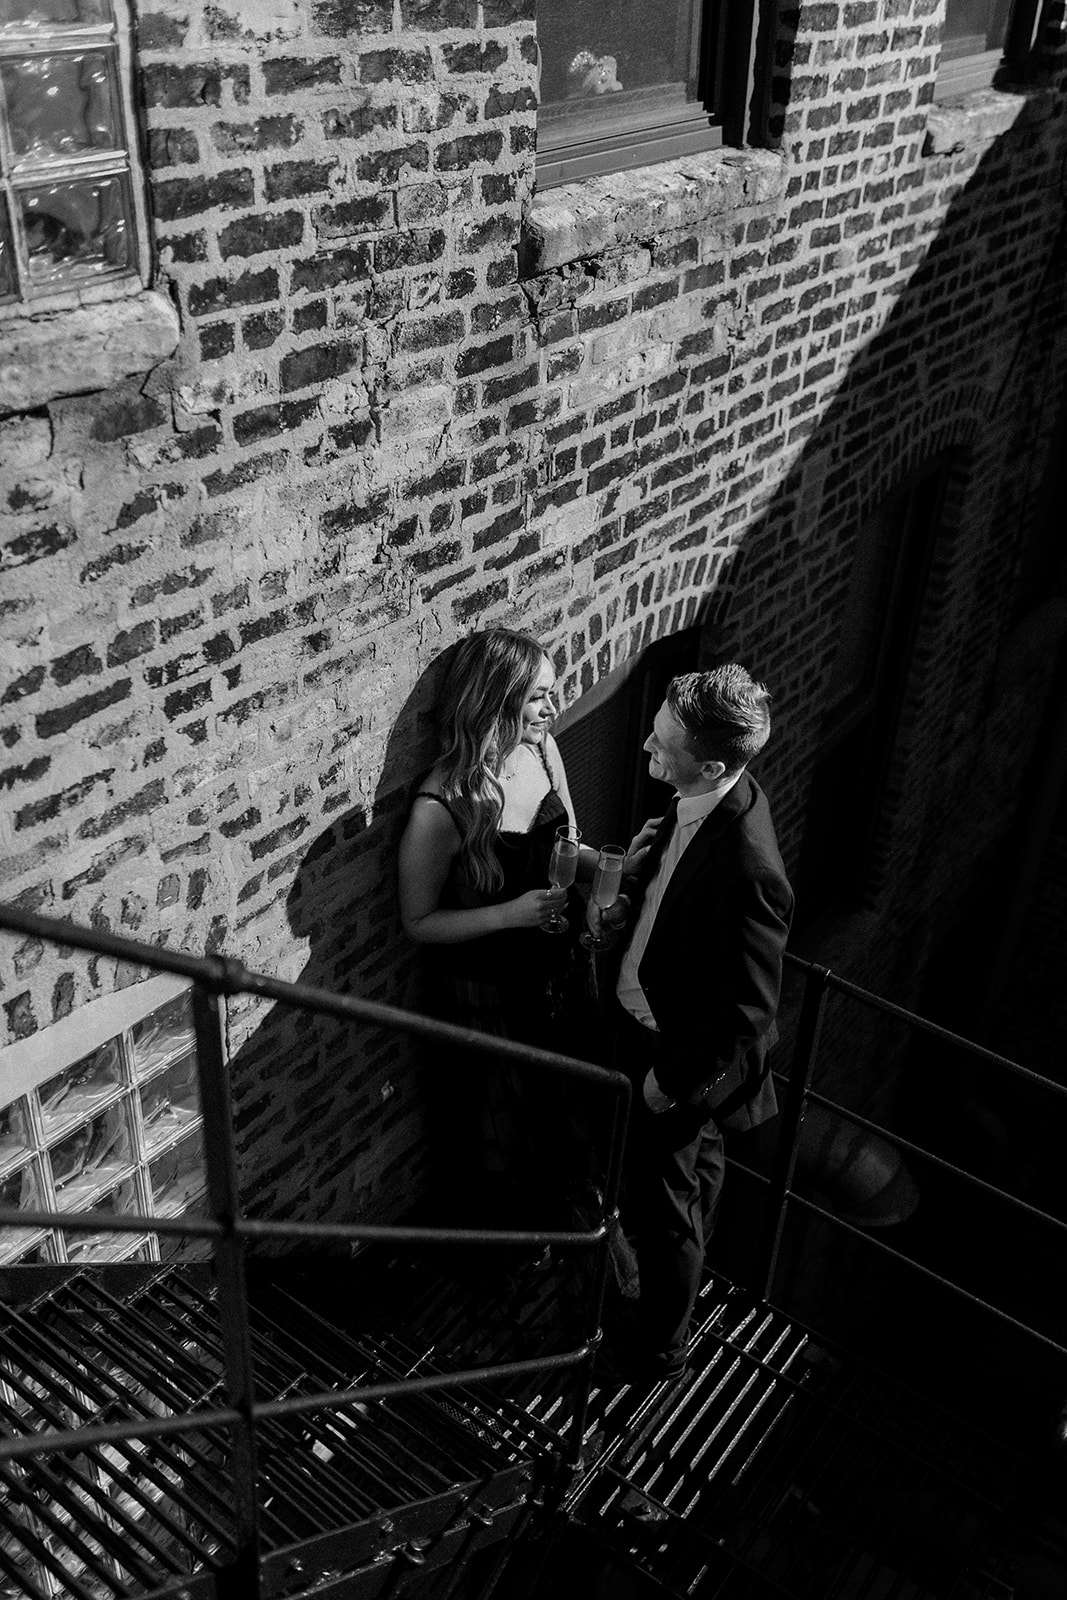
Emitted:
pixel 117 1129
pixel 70 213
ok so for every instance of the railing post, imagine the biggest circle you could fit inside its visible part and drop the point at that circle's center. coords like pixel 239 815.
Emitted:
pixel 242 1579
pixel 785 1157
pixel 619 1121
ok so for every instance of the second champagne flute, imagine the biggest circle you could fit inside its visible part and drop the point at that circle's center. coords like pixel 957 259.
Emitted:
pixel 606 884
pixel 562 866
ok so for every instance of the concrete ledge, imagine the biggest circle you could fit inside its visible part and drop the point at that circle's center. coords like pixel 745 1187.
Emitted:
pixel 82 349
pixel 584 219
pixel 982 115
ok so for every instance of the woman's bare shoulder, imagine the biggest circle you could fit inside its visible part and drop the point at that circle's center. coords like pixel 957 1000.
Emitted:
pixel 432 783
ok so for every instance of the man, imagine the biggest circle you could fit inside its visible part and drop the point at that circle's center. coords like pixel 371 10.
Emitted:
pixel 697 990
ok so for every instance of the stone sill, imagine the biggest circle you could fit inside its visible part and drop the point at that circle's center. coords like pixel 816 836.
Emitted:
pixel 982 115
pixel 50 354
pixel 584 219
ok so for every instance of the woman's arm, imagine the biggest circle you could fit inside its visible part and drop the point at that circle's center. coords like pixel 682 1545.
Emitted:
pixel 427 850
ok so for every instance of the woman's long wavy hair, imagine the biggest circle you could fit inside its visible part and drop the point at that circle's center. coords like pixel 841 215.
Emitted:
pixel 479 720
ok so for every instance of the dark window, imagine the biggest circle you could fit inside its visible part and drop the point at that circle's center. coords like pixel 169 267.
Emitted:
pixel 628 82
pixel 863 693
pixel 980 38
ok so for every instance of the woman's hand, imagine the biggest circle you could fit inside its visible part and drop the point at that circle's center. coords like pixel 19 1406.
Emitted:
pixel 639 846
pixel 532 909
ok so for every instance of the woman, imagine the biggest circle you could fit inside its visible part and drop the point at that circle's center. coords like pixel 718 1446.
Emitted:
pixel 474 856
pixel 474 884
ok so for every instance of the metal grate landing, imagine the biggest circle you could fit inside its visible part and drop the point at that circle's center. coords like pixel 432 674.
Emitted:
pixel 358 1490
pixel 775 1469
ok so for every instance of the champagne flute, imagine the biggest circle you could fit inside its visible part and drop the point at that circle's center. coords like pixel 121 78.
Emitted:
pixel 562 867
pixel 606 883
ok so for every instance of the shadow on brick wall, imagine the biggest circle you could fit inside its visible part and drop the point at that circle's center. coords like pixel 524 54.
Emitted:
pixel 964 364
pixel 331 1117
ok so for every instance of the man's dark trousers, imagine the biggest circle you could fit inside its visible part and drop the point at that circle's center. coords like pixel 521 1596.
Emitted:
pixel 672 1175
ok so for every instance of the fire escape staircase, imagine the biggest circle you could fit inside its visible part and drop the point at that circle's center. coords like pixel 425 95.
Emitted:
pixel 417 1420
pixel 773 1469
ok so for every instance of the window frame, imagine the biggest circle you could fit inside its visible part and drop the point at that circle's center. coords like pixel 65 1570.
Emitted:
pixel 727 108
pixel 125 160
pixel 962 72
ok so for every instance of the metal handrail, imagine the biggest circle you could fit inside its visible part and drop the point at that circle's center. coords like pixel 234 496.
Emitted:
pixel 213 977
pixel 819 981
pixel 228 1231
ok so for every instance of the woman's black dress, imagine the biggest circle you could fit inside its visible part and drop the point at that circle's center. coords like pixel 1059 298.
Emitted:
pixel 518 1128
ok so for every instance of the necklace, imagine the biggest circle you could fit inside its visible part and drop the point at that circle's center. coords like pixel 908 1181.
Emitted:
pixel 506 777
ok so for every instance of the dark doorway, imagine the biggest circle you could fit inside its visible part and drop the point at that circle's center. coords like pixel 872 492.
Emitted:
pixel 601 738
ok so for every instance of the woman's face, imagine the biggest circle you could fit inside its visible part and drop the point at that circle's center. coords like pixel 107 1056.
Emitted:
pixel 539 708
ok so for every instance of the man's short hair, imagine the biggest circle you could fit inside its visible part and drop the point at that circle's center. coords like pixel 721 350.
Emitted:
pixel 725 714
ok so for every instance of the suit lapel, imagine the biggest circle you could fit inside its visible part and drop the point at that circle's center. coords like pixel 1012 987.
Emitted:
pixel 733 804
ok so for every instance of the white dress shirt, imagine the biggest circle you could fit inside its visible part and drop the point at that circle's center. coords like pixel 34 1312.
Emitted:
pixel 692 810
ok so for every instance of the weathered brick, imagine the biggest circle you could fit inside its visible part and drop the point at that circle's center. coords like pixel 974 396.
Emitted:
pixel 510 102
pixel 475 56
pixel 249 427
pixel 194 86
pixel 80 663
pixel 251 236
pixel 431 332
pixel 504 13
pixel 186 197
pixel 172 147
pixel 261 331
pixel 26 548
pixel 319 363
pixel 290 75
pixel 469 149
pixel 27 772
pixel 60 720
pixel 245 472
pixel 432 14
pixel 403 66
pixel 409 249
pixel 131 642
pixel 351 264
pixel 386 166
pixel 157 31
pixel 295 178
pixel 479 358
pixel 368 214
pixel 217 339
pixel 341 18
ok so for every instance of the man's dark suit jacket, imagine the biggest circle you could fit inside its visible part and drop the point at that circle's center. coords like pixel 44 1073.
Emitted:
pixel 712 968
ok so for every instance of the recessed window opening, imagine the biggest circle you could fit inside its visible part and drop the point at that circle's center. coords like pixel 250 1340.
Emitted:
pixel 863 695
pixel 979 38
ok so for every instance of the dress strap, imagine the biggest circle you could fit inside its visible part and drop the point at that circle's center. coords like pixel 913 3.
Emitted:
pixel 544 762
pixel 428 794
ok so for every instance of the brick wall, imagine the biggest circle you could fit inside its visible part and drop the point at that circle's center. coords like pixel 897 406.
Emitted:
pixel 409 399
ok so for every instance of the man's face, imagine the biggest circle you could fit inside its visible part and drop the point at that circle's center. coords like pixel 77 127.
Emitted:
pixel 670 759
